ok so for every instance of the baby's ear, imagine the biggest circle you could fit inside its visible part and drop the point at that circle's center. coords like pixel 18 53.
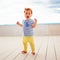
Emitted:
pixel 24 11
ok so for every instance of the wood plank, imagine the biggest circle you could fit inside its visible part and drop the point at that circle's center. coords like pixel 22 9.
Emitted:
pixel 50 51
pixel 43 48
pixel 57 47
pixel 15 53
pixel 2 56
pixel 47 48
pixel 12 55
pixel 20 56
pixel 6 54
pixel 8 46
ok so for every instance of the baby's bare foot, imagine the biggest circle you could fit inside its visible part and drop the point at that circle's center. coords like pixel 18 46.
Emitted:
pixel 24 52
pixel 33 53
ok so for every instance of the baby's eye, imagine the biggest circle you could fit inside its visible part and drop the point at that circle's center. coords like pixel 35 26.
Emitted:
pixel 26 13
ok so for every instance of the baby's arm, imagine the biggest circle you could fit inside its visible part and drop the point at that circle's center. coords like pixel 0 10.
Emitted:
pixel 19 24
pixel 35 23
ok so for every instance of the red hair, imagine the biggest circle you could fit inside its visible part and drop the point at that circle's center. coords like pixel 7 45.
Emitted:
pixel 28 9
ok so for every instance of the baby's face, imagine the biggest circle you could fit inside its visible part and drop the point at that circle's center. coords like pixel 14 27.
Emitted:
pixel 28 14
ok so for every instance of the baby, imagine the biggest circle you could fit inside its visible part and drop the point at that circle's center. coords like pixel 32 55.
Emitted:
pixel 28 25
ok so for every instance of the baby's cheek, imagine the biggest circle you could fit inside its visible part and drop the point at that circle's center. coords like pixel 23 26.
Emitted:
pixel 25 14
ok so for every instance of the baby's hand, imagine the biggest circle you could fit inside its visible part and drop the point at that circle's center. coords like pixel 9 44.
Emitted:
pixel 35 20
pixel 35 23
pixel 17 23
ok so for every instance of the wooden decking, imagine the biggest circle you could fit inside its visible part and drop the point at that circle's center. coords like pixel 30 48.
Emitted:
pixel 47 48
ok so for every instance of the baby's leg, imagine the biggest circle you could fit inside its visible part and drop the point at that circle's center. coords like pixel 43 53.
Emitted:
pixel 31 42
pixel 25 43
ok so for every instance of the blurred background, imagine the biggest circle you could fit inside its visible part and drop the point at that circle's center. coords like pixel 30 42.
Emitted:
pixel 47 12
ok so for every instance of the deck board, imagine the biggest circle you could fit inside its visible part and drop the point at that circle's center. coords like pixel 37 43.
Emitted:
pixel 50 50
pixel 43 48
pixel 47 48
pixel 57 47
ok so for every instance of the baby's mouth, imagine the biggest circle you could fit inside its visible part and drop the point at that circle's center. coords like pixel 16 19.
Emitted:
pixel 27 16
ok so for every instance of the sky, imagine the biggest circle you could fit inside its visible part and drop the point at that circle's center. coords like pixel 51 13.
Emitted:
pixel 45 11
